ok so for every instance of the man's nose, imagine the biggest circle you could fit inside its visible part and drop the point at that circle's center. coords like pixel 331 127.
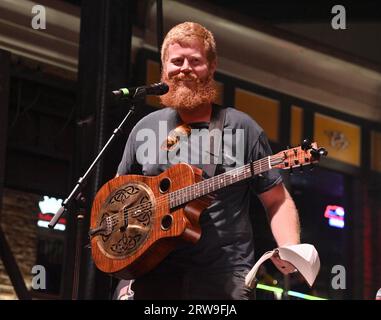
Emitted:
pixel 186 66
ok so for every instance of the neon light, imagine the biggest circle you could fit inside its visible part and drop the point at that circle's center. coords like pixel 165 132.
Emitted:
pixel 303 296
pixel 125 91
pixel 337 223
pixel 340 211
pixel 48 217
pixel 291 293
pixel 335 215
pixel 44 224
pixel 50 205
pixel 332 211
pixel 269 288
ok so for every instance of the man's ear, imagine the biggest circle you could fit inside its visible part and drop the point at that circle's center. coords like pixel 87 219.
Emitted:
pixel 213 67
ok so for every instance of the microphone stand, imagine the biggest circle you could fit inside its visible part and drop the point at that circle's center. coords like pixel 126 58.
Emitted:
pixel 77 195
pixel 78 241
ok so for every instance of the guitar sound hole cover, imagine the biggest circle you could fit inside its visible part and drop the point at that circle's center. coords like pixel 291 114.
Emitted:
pixel 131 208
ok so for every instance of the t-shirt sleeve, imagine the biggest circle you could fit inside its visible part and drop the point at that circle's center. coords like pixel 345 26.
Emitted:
pixel 268 179
pixel 129 164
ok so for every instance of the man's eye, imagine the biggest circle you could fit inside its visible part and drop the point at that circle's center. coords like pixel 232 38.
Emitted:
pixel 177 62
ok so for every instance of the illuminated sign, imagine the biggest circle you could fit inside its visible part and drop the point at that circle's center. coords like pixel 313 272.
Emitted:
pixel 335 215
pixel 49 206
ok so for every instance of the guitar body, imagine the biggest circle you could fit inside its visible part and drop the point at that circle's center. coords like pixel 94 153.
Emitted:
pixel 139 228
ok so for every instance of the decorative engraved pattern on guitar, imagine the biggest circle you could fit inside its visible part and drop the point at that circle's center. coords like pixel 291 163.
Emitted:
pixel 128 216
pixel 126 243
pixel 105 236
pixel 122 194
pixel 143 216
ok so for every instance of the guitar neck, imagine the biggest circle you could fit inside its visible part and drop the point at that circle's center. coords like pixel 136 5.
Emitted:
pixel 184 195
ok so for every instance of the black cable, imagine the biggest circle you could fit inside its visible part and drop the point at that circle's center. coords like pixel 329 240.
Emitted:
pixel 65 125
pixel 20 112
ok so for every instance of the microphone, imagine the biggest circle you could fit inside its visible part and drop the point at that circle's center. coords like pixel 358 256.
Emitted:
pixel 156 89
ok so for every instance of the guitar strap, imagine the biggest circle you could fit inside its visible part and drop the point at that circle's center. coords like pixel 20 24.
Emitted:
pixel 217 121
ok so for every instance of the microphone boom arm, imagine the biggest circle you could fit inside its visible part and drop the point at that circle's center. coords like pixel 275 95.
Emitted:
pixel 81 180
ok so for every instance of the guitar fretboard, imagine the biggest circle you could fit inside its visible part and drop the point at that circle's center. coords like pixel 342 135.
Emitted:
pixel 184 195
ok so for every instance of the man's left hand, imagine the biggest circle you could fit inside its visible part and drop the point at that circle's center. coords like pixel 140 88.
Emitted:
pixel 283 266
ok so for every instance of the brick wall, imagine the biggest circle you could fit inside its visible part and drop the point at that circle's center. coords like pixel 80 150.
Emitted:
pixel 18 221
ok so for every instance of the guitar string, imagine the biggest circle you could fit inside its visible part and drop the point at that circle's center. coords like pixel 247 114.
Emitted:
pixel 181 193
pixel 215 182
pixel 246 169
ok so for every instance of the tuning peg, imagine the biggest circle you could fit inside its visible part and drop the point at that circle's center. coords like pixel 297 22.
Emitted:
pixel 306 144
pixel 323 152
pixel 317 153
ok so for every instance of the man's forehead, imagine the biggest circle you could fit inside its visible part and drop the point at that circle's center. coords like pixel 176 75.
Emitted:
pixel 190 44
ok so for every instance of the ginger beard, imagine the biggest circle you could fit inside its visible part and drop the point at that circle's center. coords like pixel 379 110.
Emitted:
pixel 181 96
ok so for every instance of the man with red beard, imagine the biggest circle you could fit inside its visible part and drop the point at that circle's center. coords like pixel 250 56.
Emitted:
pixel 215 267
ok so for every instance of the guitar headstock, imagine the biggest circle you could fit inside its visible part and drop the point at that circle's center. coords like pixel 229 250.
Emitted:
pixel 306 154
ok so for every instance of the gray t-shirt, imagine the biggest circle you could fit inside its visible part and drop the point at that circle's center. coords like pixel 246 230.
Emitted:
pixel 227 240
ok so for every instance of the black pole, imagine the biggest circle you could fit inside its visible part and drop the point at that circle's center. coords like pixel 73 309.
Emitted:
pixel 103 66
pixel 6 255
pixel 78 250
pixel 159 24
pixel 5 59
pixel 12 269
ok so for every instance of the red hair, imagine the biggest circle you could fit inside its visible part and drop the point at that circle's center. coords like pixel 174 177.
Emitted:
pixel 184 33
